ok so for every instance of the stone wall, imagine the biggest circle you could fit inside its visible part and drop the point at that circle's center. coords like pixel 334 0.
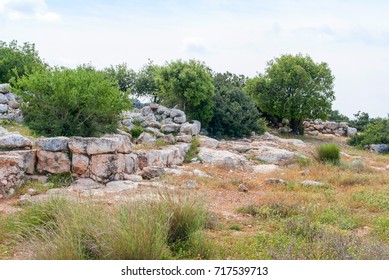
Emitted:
pixel 9 104
pixel 317 127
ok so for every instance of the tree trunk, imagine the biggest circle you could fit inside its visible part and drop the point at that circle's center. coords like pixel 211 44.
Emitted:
pixel 297 126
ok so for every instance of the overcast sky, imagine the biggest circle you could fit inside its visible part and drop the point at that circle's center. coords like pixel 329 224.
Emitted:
pixel 228 35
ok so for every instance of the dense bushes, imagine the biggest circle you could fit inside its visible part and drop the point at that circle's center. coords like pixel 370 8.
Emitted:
pixel 375 132
pixel 328 153
pixel 235 113
pixel 61 101
pixel 17 60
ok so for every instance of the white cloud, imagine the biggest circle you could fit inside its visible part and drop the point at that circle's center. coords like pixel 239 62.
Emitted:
pixel 27 9
pixel 194 45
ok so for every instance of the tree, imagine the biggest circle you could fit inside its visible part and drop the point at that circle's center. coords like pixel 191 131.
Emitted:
pixel 294 87
pixel 362 119
pixel 70 102
pixel 336 116
pixel 15 60
pixel 146 84
pixel 188 85
pixel 125 77
pixel 235 113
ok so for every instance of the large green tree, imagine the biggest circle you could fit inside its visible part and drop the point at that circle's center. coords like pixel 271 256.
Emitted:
pixel 189 85
pixel 125 77
pixel 146 84
pixel 235 113
pixel 294 87
pixel 16 60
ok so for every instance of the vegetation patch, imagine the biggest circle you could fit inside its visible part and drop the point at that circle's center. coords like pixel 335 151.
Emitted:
pixel 328 153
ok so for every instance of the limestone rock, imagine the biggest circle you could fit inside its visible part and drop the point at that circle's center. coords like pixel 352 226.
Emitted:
pixel 379 148
pixel 351 131
pixel 242 188
pixel 125 145
pixel 264 168
pixel 131 163
pixel 191 184
pixel 119 186
pixel 171 127
pixel 191 128
pixel 180 119
pixel 208 142
pixel 273 155
pixel 311 183
pixel 3 108
pixel 176 113
pixel 222 158
pixel 80 164
pixel 29 160
pixel 53 144
pixel 107 167
pixel 3 99
pixel 133 178
pixel 184 138
pixel 53 162
pixel 5 88
pixel 14 141
pixel 145 138
pixel 93 146
pixel 152 172
pixel 13 104
pixel 275 181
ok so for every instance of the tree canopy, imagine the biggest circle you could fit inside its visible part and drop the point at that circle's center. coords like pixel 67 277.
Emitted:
pixel 16 60
pixel 235 113
pixel 294 87
pixel 189 86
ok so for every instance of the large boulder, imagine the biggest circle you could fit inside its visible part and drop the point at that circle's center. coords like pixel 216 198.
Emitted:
pixel 80 164
pixel 107 167
pixel 222 158
pixel 379 148
pixel 125 145
pixel 146 139
pixel 53 144
pixel 273 155
pixel 29 160
pixel 176 113
pixel 11 171
pixel 14 141
pixel 94 146
pixel 53 162
pixel 208 142
pixel 3 108
pixel 191 128
pixel 152 172
pixel 131 163
pixel 170 127
pixel 351 131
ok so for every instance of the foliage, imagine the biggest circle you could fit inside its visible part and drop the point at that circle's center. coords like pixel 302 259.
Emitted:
pixel 146 84
pixel 166 228
pixel 329 153
pixel 375 132
pixel 336 116
pixel 188 85
pixel 294 87
pixel 235 113
pixel 361 120
pixel 16 60
pixel 125 77
pixel 136 131
pixel 193 150
pixel 61 101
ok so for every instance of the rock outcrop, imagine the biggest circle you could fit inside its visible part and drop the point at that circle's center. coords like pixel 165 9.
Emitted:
pixel 9 104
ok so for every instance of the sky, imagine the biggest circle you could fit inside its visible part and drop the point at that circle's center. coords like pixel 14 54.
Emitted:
pixel 352 37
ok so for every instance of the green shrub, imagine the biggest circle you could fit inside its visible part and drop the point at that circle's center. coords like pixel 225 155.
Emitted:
pixel 193 150
pixel 18 60
pixel 68 102
pixel 235 113
pixel 375 132
pixel 136 131
pixel 329 153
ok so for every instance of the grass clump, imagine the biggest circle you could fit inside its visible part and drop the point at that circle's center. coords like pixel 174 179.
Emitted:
pixel 328 153
pixel 193 150
pixel 168 227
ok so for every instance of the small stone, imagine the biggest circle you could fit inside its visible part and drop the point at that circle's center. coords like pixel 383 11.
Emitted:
pixel 311 183
pixel 3 108
pixel 191 184
pixel 31 191
pixel 275 181
pixel 305 172
pixel 13 104
pixel 242 188
pixel 11 191
pixel 133 178
pixel 200 173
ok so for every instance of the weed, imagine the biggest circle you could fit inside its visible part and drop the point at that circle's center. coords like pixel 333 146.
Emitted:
pixel 328 153
pixel 136 131
pixel 60 180
pixel 193 150
pixel 236 227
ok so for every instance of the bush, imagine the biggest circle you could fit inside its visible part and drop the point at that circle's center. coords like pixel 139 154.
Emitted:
pixel 193 150
pixel 329 153
pixel 376 132
pixel 235 113
pixel 69 102
pixel 18 60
